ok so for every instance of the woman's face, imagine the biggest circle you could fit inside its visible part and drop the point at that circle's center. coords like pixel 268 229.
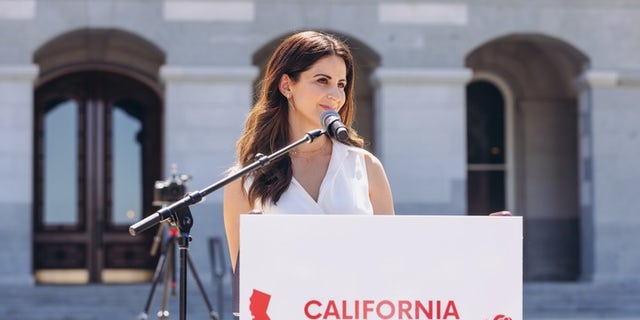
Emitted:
pixel 320 88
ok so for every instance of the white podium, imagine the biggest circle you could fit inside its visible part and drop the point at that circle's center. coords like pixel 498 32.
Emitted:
pixel 380 267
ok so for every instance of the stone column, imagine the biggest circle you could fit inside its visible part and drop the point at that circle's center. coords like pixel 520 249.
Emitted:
pixel 610 174
pixel 421 134
pixel 16 163
pixel 204 113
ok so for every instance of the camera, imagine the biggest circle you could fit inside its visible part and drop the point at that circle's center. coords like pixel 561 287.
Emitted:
pixel 169 191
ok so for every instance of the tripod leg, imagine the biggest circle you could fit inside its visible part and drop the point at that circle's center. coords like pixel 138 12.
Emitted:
pixel 212 314
pixel 163 313
pixel 156 278
pixel 174 280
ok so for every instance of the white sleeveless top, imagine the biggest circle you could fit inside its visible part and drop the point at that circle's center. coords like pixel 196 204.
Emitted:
pixel 344 189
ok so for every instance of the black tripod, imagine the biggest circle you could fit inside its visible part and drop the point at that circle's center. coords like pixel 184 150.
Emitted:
pixel 180 214
pixel 165 269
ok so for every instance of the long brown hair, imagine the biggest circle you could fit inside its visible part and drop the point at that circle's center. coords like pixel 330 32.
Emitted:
pixel 267 129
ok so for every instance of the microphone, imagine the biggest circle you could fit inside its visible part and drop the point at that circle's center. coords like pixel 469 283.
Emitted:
pixel 331 122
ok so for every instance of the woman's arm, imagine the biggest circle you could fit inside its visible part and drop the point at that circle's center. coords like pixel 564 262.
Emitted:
pixel 235 202
pixel 379 188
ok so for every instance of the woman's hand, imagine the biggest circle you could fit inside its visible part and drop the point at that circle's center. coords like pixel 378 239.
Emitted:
pixel 500 214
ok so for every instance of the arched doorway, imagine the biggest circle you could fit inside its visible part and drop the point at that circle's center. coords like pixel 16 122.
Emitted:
pixel 366 61
pixel 97 148
pixel 534 76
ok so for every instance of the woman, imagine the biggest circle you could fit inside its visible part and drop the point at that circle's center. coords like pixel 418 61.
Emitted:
pixel 308 74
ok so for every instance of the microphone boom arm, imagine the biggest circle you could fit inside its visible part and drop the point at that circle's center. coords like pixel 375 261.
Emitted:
pixel 173 211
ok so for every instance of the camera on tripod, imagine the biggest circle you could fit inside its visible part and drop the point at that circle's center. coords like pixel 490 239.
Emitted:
pixel 169 191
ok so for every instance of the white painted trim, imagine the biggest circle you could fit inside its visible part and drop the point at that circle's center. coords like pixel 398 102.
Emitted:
pixel 420 76
pixel 608 79
pixel 509 107
pixel 224 74
pixel 600 79
pixel 27 72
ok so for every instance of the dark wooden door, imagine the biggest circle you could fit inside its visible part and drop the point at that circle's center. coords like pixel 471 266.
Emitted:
pixel 97 145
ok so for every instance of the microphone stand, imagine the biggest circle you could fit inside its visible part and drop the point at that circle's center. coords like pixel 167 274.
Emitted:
pixel 180 214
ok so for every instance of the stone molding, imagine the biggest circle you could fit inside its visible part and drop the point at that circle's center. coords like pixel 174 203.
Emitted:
pixel 27 72
pixel 609 79
pixel 421 76
pixel 208 74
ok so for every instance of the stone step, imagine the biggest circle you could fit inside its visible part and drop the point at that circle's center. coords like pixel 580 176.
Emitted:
pixel 607 300
pixel 97 302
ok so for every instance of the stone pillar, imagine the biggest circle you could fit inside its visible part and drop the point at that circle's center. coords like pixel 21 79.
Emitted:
pixel 421 135
pixel 610 174
pixel 16 163
pixel 204 114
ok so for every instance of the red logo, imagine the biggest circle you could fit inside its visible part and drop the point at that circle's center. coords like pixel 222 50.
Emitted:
pixel 258 304
pixel 501 317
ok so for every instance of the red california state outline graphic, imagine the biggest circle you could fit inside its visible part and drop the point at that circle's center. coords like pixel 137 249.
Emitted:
pixel 258 305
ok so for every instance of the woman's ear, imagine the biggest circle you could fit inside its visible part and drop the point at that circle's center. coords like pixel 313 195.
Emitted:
pixel 285 85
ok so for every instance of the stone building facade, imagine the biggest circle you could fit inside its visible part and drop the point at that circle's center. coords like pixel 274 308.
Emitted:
pixel 471 105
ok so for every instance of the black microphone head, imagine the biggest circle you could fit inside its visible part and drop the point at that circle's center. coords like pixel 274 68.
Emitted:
pixel 331 122
pixel 328 117
pixel 341 134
